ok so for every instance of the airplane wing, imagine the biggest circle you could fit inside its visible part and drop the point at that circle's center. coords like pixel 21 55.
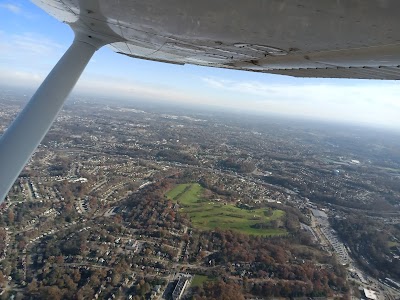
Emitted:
pixel 302 38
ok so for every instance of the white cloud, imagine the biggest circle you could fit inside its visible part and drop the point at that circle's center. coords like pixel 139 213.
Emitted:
pixel 21 78
pixel 12 8
pixel 359 103
pixel 28 53
pixel 301 90
pixel 122 87
pixel 18 9
pixel 27 44
pixel 354 101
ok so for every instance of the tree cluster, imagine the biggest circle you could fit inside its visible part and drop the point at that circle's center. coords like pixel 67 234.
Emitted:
pixel 274 261
pixel 369 240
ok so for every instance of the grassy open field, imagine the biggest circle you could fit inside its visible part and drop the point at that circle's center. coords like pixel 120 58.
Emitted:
pixel 198 280
pixel 206 214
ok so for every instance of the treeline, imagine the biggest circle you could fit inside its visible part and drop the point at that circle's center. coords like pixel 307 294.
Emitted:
pixel 240 166
pixel 219 290
pixel 219 190
pixel 177 156
pixel 150 210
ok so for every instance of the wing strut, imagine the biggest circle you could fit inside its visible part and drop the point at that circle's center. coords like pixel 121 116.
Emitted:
pixel 31 125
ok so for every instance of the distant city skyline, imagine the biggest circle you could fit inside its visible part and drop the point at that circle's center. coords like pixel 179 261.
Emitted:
pixel 31 42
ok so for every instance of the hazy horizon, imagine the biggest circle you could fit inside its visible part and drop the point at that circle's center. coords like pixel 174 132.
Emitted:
pixel 180 108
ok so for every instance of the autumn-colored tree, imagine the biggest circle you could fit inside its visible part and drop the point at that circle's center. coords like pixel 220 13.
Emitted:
pixel 116 278
pixel 76 275
pixel 11 217
pixel 32 286
pixel 51 292
pixel 2 278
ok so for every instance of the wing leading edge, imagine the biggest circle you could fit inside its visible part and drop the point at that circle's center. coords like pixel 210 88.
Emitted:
pixel 305 38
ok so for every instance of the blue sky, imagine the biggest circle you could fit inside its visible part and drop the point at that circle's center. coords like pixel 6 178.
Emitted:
pixel 31 42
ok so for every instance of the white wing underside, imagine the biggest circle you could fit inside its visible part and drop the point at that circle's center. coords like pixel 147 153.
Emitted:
pixel 303 38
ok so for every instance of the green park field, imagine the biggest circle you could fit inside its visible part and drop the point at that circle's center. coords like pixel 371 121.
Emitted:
pixel 206 214
pixel 198 280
